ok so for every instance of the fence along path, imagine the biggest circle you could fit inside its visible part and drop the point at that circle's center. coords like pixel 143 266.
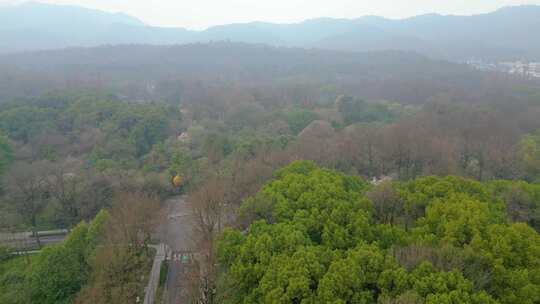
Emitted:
pixel 150 290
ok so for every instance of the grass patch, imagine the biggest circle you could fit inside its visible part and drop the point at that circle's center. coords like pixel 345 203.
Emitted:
pixel 163 271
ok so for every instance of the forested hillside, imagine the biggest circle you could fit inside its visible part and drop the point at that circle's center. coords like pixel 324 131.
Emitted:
pixel 375 114
pixel 187 72
pixel 312 176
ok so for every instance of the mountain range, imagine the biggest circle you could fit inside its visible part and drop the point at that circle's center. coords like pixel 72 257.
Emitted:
pixel 506 34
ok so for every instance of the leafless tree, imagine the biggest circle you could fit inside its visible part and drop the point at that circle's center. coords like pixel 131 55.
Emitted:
pixel 135 215
pixel 208 203
pixel 27 187
pixel 66 187
pixel 121 259
pixel 387 203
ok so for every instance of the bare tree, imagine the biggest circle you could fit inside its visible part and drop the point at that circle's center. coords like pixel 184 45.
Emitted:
pixel 208 203
pixel 387 203
pixel 28 190
pixel 135 215
pixel 122 258
pixel 518 204
pixel 65 187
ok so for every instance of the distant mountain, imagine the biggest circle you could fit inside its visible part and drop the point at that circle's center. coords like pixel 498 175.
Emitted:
pixel 508 33
pixel 32 26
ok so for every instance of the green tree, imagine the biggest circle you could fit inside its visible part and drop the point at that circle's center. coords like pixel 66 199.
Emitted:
pixel 6 157
pixel 22 122
pixel 456 220
pixel 180 163
pixel 529 154
pixel 60 271
pixel 298 119
pixel 352 278
pixel 357 110
pixel 510 255
pixel 314 239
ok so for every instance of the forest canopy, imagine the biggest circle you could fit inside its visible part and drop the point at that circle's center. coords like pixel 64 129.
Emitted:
pixel 312 176
pixel 320 236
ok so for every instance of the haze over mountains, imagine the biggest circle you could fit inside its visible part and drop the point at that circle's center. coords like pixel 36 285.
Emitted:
pixel 130 69
pixel 506 34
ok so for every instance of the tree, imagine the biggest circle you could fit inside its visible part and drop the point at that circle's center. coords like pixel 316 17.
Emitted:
pixel 508 254
pixel 521 199
pixel 350 279
pixel 208 204
pixel 529 151
pixel 6 157
pixel 60 271
pixel 6 154
pixel 28 192
pixel 65 187
pixel 22 122
pixel 357 110
pixel 135 215
pixel 387 203
pixel 315 143
pixel 298 119
pixel 180 163
pixel 97 193
pixel 216 147
pixel 457 220
pixel 123 256
pixel 312 239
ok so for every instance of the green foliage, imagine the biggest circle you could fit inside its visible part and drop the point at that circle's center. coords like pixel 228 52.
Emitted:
pixel 57 275
pixel 58 272
pixel 357 110
pixel 456 220
pixel 529 154
pixel 5 253
pixel 521 200
pixel 6 156
pixel 245 116
pixel 298 119
pixel 131 130
pixel 127 131
pixel 96 230
pixel 420 193
pixel 217 146
pixel 180 163
pixel 348 279
pixel 314 239
pixel 163 271
pixel 22 122
pixel 13 279
pixel 511 253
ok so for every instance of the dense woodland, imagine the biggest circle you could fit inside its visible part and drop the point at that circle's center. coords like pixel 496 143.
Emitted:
pixel 315 176
pixel 270 75
pixel 318 236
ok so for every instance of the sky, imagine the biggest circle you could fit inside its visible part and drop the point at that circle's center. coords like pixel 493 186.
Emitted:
pixel 200 14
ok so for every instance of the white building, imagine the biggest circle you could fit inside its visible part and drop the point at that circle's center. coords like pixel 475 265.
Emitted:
pixel 534 69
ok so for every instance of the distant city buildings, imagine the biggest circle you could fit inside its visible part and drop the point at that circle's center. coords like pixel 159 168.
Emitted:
pixel 534 69
pixel 519 68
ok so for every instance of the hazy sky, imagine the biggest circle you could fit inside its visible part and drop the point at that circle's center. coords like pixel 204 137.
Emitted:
pixel 199 14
